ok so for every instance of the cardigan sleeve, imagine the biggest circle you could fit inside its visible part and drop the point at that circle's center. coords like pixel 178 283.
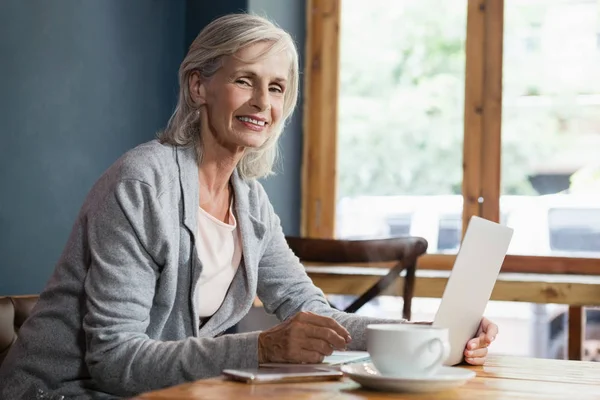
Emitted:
pixel 285 288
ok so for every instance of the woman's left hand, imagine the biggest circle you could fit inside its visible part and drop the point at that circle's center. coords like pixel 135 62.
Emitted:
pixel 477 348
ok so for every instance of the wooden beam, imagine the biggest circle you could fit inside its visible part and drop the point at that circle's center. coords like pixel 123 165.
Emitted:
pixel 473 112
pixel 321 88
pixel 491 143
pixel 530 288
pixel 551 265
pixel 512 263
pixel 576 332
pixel 525 264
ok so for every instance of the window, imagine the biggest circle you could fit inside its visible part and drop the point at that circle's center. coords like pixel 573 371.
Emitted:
pixel 449 233
pixel 551 127
pixel 400 123
pixel 427 119
pixel 399 225
pixel 574 229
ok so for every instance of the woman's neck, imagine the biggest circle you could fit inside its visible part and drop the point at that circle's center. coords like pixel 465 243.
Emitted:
pixel 214 189
pixel 214 178
pixel 216 166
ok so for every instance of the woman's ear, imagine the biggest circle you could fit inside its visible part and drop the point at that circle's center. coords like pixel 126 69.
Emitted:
pixel 197 87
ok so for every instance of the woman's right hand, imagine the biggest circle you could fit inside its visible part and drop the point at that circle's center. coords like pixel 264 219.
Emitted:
pixel 304 338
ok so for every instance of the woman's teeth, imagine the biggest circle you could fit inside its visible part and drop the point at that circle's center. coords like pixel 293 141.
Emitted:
pixel 252 121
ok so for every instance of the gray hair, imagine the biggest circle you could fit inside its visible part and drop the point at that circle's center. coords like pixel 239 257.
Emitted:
pixel 224 37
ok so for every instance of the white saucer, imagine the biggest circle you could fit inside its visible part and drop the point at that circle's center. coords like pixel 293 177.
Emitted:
pixel 446 378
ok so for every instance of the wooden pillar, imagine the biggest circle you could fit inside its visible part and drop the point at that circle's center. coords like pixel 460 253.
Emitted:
pixel 320 118
pixel 483 110
pixel 576 332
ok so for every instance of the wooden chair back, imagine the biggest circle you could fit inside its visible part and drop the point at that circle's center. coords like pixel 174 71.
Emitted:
pixel 403 250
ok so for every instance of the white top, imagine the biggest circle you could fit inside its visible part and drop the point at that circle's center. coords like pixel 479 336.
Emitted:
pixel 220 253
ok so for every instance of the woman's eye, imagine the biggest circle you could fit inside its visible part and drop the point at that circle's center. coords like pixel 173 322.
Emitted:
pixel 243 82
pixel 276 89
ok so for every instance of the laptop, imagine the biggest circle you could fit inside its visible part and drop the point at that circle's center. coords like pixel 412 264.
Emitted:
pixel 471 282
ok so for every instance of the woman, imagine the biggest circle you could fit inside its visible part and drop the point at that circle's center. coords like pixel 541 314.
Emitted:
pixel 177 238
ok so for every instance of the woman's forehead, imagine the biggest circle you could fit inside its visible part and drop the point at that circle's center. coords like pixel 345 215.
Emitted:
pixel 260 59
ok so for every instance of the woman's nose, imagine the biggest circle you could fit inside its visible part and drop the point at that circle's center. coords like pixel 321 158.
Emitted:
pixel 260 99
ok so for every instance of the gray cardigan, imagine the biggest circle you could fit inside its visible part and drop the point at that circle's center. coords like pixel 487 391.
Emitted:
pixel 118 316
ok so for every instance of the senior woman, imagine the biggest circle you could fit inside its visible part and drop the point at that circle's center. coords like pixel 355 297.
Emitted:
pixel 177 238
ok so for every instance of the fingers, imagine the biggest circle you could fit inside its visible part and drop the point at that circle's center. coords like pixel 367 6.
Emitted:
pixel 304 338
pixel 306 351
pixel 325 322
pixel 325 335
pixel 476 350
pixel 477 342
pixel 317 346
pixel 490 329
pixel 477 353
pixel 310 357
pixel 475 361
pixel 310 344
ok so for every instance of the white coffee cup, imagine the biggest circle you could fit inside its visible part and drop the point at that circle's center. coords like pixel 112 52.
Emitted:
pixel 404 350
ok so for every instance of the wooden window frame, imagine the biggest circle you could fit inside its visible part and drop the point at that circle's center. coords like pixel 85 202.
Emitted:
pixel 482 132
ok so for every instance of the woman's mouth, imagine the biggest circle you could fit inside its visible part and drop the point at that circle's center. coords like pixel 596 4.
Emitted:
pixel 251 123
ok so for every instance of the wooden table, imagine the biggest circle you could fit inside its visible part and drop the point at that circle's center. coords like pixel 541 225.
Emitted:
pixel 501 378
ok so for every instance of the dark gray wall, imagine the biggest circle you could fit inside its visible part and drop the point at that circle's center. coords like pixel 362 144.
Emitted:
pixel 81 82
pixel 200 12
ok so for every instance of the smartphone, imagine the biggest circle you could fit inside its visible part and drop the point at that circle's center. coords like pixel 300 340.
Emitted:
pixel 282 374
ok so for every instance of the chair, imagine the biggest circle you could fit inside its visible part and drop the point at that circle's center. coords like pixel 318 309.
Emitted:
pixel 14 310
pixel 403 250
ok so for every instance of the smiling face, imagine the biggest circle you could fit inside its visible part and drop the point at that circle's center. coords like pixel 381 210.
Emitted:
pixel 243 101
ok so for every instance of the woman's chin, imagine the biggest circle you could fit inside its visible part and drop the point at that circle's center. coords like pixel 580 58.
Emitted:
pixel 253 142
